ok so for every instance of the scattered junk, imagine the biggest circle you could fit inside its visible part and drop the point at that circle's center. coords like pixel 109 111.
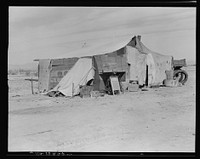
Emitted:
pixel 16 95
pixel 155 86
pixel 54 94
pixel 173 79
pixel 133 86
pixel 144 89
pixel 179 74
pixel 85 91
pixel 129 67
pixel 169 74
pixel 171 83
pixel 97 94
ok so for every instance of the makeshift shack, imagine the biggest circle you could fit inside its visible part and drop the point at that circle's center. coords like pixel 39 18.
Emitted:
pixel 132 61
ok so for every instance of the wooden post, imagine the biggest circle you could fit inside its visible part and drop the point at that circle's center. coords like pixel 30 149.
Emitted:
pixel 32 86
pixel 72 89
pixel 32 83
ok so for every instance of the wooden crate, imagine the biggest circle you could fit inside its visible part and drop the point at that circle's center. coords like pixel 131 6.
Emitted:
pixel 96 94
pixel 85 91
pixel 171 83
pixel 133 87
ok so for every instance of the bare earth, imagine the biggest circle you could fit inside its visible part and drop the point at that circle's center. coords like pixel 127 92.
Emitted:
pixel 158 120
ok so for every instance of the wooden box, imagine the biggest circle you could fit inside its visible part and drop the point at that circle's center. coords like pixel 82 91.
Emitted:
pixel 85 91
pixel 133 87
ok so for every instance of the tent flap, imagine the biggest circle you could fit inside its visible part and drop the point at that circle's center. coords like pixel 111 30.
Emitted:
pixel 79 74
pixel 157 64
pixel 137 63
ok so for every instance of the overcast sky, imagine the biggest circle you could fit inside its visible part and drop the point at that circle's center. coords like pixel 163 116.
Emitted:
pixel 52 32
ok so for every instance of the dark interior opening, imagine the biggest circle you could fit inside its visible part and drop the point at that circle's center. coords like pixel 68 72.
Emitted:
pixel 105 76
pixel 146 81
pixel 89 82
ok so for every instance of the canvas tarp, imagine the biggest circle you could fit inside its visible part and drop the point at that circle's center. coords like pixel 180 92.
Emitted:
pixel 157 64
pixel 79 74
pixel 137 63
pixel 161 64
pixel 98 81
pixel 112 62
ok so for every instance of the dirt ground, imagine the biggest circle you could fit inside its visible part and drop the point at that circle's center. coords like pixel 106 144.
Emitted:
pixel 158 120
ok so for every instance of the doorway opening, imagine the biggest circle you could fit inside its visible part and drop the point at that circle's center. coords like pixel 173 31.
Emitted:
pixel 146 81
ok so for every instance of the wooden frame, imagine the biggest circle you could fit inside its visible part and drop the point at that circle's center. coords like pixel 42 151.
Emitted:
pixel 114 84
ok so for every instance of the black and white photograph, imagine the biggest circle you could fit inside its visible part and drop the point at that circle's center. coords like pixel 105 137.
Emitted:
pixel 101 79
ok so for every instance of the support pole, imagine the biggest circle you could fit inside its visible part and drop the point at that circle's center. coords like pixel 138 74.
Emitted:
pixel 32 86
pixel 32 83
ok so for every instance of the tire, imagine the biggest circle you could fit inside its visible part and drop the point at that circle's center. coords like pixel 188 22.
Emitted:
pixel 182 75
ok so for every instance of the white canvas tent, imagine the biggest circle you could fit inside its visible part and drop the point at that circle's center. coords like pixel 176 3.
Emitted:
pixel 80 74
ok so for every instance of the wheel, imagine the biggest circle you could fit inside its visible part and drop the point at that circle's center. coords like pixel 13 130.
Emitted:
pixel 181 75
